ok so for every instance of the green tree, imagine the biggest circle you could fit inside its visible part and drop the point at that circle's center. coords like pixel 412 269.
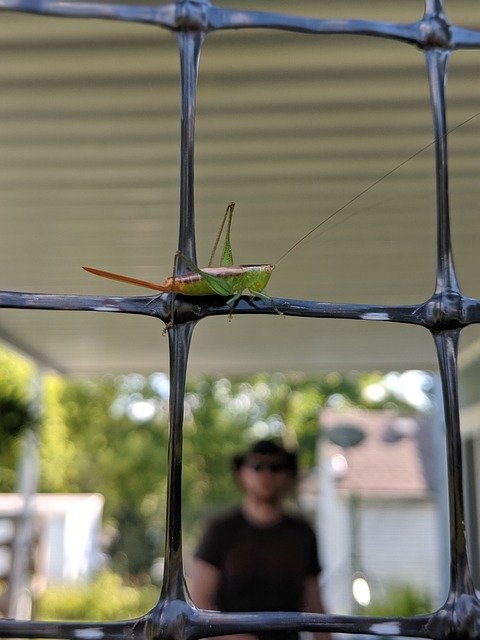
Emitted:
pixel 16 412
pixel 106 598
pixel 111 435
pixel 91 444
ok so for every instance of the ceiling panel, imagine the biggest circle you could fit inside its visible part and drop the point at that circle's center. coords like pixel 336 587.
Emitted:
pixel 291 127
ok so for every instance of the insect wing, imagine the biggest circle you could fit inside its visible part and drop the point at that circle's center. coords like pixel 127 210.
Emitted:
pixel 215 282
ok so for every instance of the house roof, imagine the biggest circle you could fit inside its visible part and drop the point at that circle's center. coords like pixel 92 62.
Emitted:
pixel 389 462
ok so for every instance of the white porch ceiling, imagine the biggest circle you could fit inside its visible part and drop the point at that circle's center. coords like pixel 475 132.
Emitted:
pixel 289 126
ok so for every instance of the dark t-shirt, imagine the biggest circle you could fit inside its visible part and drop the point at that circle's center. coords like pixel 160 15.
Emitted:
pixel 261 568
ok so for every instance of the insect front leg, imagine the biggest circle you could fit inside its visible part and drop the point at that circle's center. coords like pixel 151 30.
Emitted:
pixel 231 302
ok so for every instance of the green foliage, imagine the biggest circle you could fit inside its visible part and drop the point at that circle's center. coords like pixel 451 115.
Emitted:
pixel 134 548
pixel 58 455
pixel 107 598
pixel 111 436
pixel 91 444
pixel 401 599
pixel 16 414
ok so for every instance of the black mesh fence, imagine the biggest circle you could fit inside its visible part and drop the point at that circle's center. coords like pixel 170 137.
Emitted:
pixel 444 314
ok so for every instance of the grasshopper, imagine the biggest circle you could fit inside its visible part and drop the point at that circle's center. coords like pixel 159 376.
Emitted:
pixel 227 280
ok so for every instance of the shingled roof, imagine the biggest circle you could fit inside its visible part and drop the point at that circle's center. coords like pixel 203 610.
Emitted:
pixel 388 462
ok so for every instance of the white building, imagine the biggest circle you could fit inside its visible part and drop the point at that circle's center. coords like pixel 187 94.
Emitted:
pixel 65 532
pixel 377 515
pixel 469 377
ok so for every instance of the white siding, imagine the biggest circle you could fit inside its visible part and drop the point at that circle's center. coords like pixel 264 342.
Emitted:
pixel 399 542
pixel 334 534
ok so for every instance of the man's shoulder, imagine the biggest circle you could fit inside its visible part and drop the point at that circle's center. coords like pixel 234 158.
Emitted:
pixel 225 519
pixel 217 536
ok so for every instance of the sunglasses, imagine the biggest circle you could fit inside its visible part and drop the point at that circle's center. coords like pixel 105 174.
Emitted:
pixel 266 466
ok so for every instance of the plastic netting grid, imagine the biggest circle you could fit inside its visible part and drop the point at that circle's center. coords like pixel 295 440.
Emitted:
pixel 444 314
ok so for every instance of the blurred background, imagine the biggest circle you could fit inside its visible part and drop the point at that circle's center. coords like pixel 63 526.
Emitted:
pixel 291 127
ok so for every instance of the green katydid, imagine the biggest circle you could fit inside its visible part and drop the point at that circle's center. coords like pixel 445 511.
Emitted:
pixel 229 280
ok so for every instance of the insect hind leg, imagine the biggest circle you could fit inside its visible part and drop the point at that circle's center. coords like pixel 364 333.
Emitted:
pixel 172 294
pixel 267 298
pixel 171 321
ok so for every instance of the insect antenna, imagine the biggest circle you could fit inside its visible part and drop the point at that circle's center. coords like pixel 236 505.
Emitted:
pixel 368 188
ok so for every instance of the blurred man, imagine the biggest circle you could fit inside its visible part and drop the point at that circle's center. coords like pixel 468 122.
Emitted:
pixel 257 557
